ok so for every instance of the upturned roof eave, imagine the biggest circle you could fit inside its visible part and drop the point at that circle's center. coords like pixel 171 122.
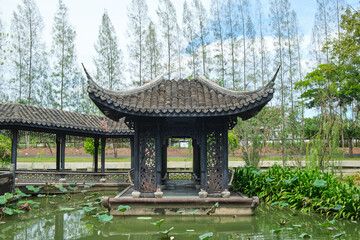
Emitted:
pixel 115 113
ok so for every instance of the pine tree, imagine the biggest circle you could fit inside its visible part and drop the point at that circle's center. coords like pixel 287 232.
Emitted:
pixel 5 50
pixel 109 58
pixel 231 26
pixel 264 72
pixel 179 45
pixel 65 71
pixel 190 35
pixel 251 34
pixel 152 55
pixel 200 16
pixel 218 31
pixel 322 29
pixel 137 31
pixel 29 58
pixel 168 22
pixel 277 19
pixel 243 11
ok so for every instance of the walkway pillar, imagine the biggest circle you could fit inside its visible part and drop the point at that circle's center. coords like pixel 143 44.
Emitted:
pixel 62 154
pixel 132 152
pixel 14 145
pixel 58 149
pixel 103 145
pixel 96 153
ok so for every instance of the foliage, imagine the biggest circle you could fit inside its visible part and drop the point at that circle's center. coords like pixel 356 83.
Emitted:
pixel 105 218
pixel 305 189
pixel 65 73
pixel 166 232
pixel 142 47
pixel 123 208
pixel 5 149
pixel 158 223
pixel 89 146
pixel 233 143
pixel 109 58
pixel 254 133
pixel 206 236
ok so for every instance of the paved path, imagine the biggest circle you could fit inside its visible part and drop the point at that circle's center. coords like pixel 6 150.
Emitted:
pixel 173 165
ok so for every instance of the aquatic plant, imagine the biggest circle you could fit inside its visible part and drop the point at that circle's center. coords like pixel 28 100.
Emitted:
pixel 158 223
pixel 305 189
pixel 206 236
pixel 166 232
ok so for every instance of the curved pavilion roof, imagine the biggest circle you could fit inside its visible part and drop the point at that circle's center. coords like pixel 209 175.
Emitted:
pixel 53 120
pixel 198 97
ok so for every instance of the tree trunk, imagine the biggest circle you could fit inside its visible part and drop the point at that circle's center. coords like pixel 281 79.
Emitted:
pixel 350 147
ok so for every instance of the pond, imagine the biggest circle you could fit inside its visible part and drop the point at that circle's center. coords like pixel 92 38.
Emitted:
pixel 60 218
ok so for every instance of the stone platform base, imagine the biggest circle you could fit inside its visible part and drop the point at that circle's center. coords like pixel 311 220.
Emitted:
pixel 181 205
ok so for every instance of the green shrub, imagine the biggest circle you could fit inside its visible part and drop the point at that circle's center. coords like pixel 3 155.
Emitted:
pixel 306 189
pixel 233 143
pixel 89 146
pixel 5 149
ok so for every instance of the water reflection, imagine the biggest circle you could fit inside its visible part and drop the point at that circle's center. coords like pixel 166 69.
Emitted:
pixel 52 223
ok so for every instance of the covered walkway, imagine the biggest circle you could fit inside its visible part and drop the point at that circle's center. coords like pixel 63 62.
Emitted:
pixel 19 117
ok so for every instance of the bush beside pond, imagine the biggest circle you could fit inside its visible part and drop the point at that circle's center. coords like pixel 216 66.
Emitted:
pixel 306 189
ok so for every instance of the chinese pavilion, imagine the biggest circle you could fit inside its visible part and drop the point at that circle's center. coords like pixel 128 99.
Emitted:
pixel 197 108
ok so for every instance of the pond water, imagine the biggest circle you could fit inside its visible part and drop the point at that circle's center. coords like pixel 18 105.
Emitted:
pixel 60 218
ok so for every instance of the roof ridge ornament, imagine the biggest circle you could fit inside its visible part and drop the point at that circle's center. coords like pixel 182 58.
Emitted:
pixel 119 93
pixel 223 90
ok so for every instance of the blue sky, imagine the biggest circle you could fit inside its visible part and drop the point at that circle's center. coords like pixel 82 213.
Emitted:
pixel 85 16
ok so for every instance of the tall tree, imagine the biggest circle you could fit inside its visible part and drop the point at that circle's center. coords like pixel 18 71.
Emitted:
pixel 190 35
pixel 168 22
pixel 276 21
pixel 231 26
pixel 289 34
pixel 218 31
pixel 138 24
pixel 65 71
pixel 152 53
pixel 264 72
pixel 29 59
pixel 243 8
pixel 323 29
pixel 253 69
pixel 201 18
pixel 179 45
pixel 109 58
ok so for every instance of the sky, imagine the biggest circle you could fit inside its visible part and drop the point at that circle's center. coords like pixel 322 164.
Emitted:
pixel 85 16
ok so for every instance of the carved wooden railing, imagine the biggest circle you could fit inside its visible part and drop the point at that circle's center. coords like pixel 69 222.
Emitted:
pixel 180 175
pixel 71 177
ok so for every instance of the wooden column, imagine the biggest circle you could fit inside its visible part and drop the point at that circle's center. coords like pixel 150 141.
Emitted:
pixel 132 152
pixel 158 154
pixel 62 154
pixel 196 158
pixel 164 160
pixel 58 152
pixel 96 154
pixel 136 158
pixel 203 158
pixel 14 145
pixel 225 152
pixel 103 146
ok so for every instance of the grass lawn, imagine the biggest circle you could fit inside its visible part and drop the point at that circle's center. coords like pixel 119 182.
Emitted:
pixel 171 159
